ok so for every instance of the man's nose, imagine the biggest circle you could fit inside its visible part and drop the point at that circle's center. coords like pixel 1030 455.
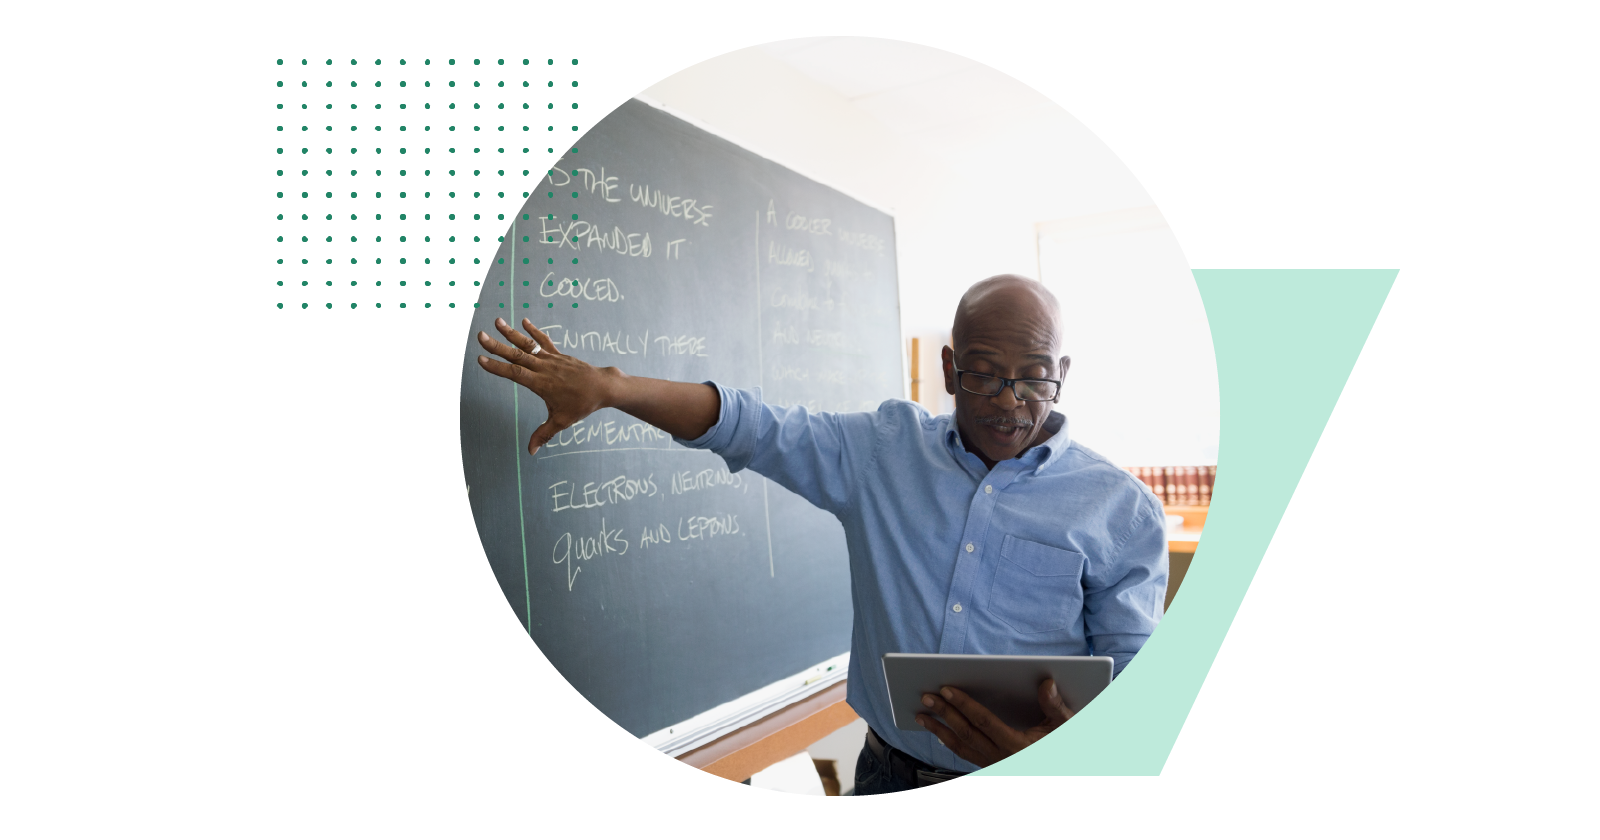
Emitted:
pixel 1006 399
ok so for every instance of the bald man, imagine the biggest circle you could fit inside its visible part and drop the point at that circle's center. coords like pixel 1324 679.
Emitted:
pixel 988 532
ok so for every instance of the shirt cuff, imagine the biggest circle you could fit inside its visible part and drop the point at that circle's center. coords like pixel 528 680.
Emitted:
pixel 733 436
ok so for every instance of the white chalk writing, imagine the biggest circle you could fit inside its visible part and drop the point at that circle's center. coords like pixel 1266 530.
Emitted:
pixel 654 535
pixel 579 234
pixel 707 527
pixel 799 299
pixel 784 255
pixel 864 241
pixel 795 221
pixel 570 550
pixel 681 345
pixel 607 432
pixel 817 338
pixel 567 495
pixel 688 481
pixel 603 290
pixel 606 186
pixel 688 209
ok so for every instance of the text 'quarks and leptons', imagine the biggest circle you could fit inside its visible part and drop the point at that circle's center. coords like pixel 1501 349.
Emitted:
pixel 572 549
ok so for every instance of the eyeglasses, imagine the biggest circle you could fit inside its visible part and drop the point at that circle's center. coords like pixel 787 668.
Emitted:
pixel 1025 390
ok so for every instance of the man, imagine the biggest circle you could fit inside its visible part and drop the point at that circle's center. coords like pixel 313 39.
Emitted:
pixel 988 532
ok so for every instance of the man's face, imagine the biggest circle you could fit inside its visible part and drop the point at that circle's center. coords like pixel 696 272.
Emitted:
pixel 1008 332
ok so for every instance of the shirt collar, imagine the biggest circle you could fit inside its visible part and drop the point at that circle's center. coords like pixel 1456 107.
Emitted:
pixel 1039 456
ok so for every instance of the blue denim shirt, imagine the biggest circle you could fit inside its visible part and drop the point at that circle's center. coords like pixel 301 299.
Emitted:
pixel 1056 552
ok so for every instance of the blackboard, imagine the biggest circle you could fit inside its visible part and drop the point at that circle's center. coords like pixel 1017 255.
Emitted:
pixel 658 583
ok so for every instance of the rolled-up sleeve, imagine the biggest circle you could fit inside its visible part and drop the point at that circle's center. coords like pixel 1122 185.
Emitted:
pixel 818 455
pixel 733 436
pixel 1123 602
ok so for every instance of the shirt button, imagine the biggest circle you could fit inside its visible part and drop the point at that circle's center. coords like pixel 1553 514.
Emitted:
pixel 969 548
pixel 988 488
pixel 956 608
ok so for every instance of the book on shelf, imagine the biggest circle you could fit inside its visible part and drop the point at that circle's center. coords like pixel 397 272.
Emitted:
pixel 1179 486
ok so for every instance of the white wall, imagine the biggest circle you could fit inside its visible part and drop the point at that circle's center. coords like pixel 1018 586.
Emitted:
pixel 970 164
pixel 1142 389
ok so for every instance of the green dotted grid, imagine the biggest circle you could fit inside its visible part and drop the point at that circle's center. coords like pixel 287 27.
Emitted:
pixel 342 206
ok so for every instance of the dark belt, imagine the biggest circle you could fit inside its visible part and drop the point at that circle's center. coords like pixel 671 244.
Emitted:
pixel 905 767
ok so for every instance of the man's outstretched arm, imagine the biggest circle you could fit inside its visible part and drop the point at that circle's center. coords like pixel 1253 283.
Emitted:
pixel 573 389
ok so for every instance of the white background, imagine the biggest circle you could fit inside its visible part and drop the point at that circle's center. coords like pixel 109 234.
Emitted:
pixel 242 593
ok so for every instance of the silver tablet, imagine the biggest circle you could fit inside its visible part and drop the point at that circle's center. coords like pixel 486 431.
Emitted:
pixel 1006 685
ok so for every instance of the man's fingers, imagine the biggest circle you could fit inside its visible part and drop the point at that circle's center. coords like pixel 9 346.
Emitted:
pixel 545 343
pixel 542 435
pixel 507 352
pixel 522 342
pixel 1053 705
pixel 959 724
pixel 951 742
pixel 516 373
pixel 982 721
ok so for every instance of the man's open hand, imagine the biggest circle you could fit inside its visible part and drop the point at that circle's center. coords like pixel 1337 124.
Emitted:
pixel 974 733
pixel 572 389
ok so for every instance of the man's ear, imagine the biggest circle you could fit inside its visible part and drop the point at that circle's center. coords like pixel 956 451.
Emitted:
pixel 948 358
pixel 1066 362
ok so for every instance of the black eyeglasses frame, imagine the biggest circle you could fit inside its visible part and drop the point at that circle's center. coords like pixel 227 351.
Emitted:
pixel 1009 383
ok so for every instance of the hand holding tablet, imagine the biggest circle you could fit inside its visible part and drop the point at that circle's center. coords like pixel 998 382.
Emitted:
pixel 986 708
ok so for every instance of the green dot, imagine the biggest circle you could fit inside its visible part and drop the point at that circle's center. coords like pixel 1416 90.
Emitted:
pixel 304 305
pixel 330 306
pixel 574 260
pixel 550 306
pixel 524 260
pixel 549 282
pixel 402 306
pixel 574 306
pixel 524 306
pixel 280 306
pixel 574 195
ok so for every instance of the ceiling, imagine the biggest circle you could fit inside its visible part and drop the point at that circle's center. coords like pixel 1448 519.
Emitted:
pixel 934 99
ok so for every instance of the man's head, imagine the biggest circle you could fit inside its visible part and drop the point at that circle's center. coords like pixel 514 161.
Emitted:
pixel 1005 326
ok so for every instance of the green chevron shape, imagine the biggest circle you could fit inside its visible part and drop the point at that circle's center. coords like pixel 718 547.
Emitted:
pixel 1285 341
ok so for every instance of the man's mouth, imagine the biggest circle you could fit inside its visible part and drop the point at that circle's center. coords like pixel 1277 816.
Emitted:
pixel 1005 430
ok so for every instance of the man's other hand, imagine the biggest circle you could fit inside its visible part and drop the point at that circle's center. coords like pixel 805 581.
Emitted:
pixel 974 733
pixel 572 389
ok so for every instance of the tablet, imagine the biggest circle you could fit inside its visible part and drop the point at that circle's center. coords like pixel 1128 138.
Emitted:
pixel 1006 685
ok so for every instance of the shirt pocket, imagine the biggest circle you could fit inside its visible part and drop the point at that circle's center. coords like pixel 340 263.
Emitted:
pixel 1037 588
